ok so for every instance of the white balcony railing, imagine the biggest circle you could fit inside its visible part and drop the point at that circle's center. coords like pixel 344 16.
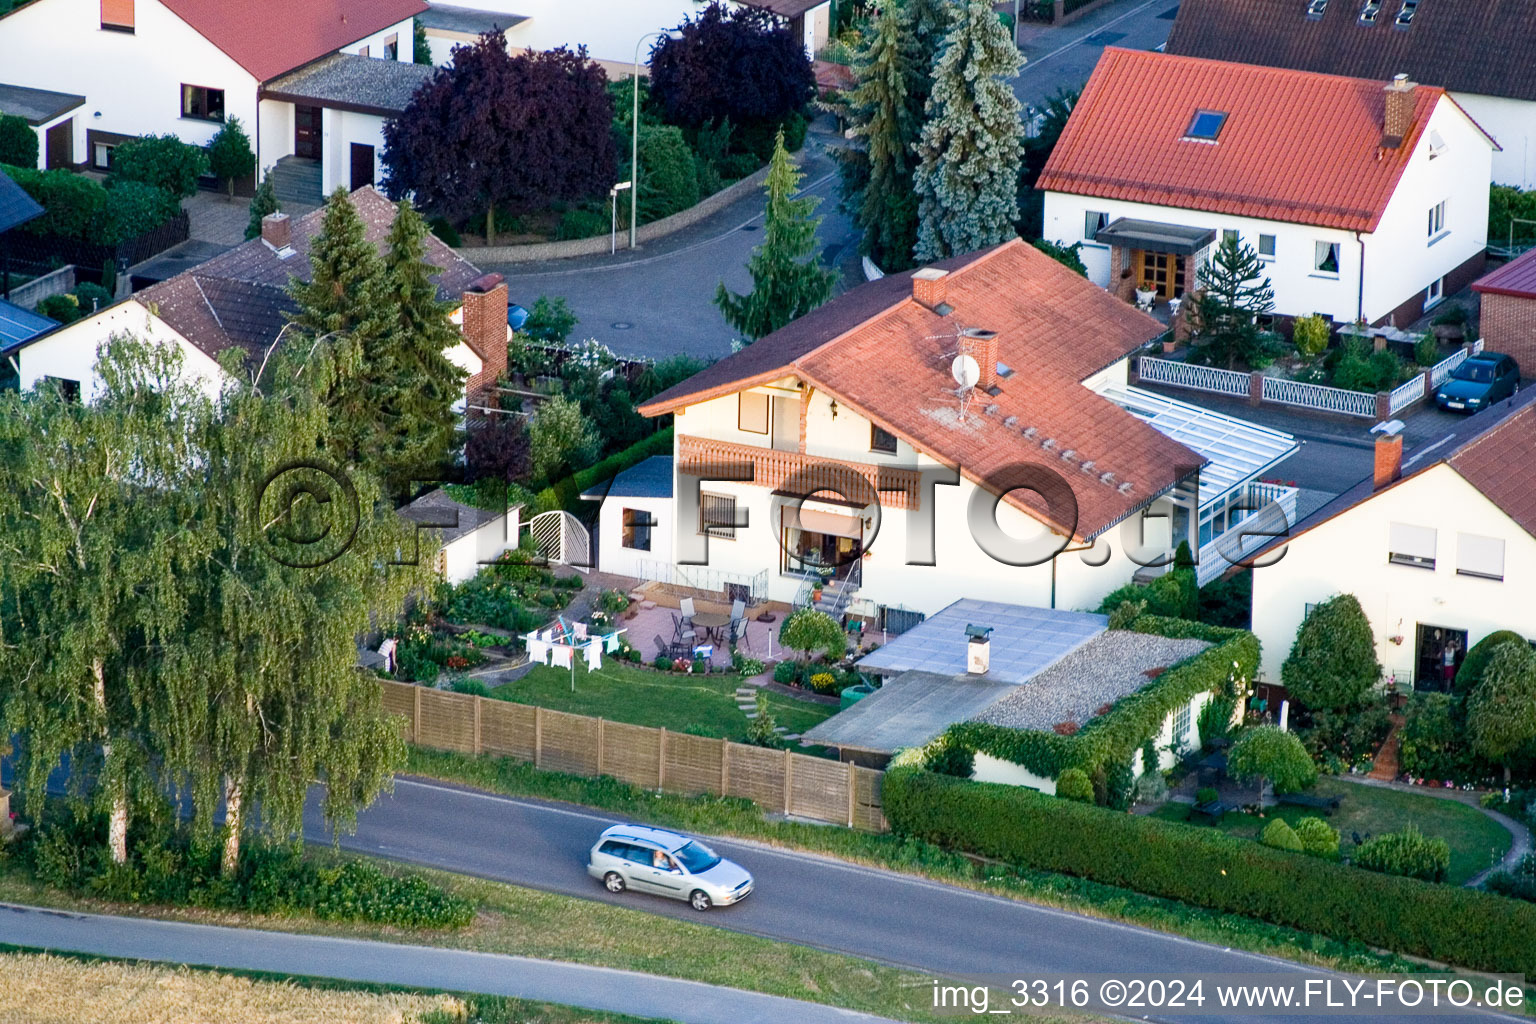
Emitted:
pixel 1273 515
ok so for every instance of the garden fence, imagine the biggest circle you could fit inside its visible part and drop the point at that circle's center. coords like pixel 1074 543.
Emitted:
pixel 45 252
pixel 779 781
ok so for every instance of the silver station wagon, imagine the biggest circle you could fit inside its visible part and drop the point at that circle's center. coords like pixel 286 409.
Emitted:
pixel 665 863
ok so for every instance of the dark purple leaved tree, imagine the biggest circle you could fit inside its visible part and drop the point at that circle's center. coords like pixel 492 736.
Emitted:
pixel 743 64
pixel 496 130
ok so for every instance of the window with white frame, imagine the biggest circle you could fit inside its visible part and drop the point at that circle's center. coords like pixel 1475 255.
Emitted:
pixel 1434 293
pixel 1479 556
pixel 1094 221
pixel 717 516
pixel 1229 235
pixel 1437 220
pixel 1267 247
pixel 1411 545
pixel 1181 727
pixel 752 412
pixel 1325 258
pixel 637 529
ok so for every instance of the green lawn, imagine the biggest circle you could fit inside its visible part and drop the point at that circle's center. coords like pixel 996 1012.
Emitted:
pixel 1476 840
pixel 701 704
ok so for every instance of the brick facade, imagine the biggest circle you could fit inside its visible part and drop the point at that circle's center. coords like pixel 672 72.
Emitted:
pixel 485 331
pixel 1509 326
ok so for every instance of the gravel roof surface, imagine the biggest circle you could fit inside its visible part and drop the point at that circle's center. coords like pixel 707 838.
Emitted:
pixel 1099 672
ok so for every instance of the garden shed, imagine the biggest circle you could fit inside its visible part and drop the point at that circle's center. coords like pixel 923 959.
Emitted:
pixel 467 537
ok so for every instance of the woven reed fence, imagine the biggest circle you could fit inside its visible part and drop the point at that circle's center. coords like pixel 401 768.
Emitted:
pixel 779 781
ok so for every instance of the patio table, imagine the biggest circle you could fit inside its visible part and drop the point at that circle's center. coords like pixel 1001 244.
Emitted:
pixel 711 623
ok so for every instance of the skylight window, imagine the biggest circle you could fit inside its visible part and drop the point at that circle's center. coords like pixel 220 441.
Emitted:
pixel 1206 125
pixel 1406 12
pixel 1315 8
pixel 1369 11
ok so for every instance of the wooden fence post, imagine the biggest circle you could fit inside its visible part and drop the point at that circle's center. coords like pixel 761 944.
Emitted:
pixel 478 701
pixel 853 789
pixel 661 760
pixel 416 715
pixel 789 770
pixel 600 746
pixel 538 735
pixel 725 767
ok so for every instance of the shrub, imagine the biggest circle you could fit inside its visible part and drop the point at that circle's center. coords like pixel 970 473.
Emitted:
pixel 761 731
pixel 1074 784
pixel 229 154
pixel 669 178
pixel 581 222
pixel 1332 664
pixel 1475 662
pixel 663 662
pixel 163 161
pixel 132 208
pixel 92 297
pixel 787 672
pixel 745 666
pixel 1280 835
pixel 810 631
pixel 1426 351
pixel 825 682
pixel 550 320
pixel 1353 371
pixel 18 142
pixel 1519 884
pixel 1127 613
pixel 1310 334
pixel 1501 711
pixel 1215 721
pixel 445 232
pixel 1207 868
pixel 1386 369
pixel 1207 795
pixel 63 308
pixel 71 202
pixel 1434 742
pixel 474 687
pixel 1409 853
pixel 947 757
pixel 1269 753
pixel 1318 838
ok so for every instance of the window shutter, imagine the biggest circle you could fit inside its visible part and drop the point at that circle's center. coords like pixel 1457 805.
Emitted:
pixel 1413 544
pixel 752 412
pixel 1479 556
pixel 117 13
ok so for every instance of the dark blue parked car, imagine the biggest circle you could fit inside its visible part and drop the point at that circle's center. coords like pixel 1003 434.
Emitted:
pixel 1478 382
pixel 516 316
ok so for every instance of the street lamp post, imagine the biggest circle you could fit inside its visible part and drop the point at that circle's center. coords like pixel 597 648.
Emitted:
pixel 634 133
pixel 613 205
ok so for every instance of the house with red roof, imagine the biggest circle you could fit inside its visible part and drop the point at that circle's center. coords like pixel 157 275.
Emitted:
pixel 312 81
pixel 1508 300
pixel 1438 545
pixel 1366 200
pixel 963 430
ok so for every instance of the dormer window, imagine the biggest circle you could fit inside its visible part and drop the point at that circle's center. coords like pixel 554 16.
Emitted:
pixel 1316 8
pixel 1369 11
pixel 1206 125
pixel 1406 12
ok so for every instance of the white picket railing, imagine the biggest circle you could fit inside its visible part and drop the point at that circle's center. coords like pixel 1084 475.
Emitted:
pixel 1405 394
pixel 1318 396
pixel 1445 367
pixel 1187 375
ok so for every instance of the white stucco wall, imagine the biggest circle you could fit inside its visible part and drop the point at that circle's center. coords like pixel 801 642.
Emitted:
pixel 1512 123
pixel 1398 261
pixel 340 129
pixel 1348 554
pixel 466 555
pixel 132 79
pixel 612 555
pixel 70 353
pixel 994 769
pixel 961 568
pixel 405 32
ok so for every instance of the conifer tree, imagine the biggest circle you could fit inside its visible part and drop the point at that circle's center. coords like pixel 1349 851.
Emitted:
pixel 1235 293
pixel 343 313
pixel 925 24
pixel 971 150
pixel 262 203
pixel 417 425
pixel 877 177
pixel 788 279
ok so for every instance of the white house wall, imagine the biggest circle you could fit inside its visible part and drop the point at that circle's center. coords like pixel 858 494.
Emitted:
pixel 276 139
pixel 341 128
pixel 613 556
pixel 1513 124
pixel 961 567
pixel 987 768
pixel 133 80
pixel 405 33
pixel 70 353
pixel 467 555
pixel 1348 554
pixel 1401 259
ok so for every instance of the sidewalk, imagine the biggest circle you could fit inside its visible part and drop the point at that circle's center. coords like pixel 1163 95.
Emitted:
pixel 386 963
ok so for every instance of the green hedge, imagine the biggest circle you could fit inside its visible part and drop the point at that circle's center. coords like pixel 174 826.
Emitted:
pixel 1114 736
pixel 81 208
pixel 1208 868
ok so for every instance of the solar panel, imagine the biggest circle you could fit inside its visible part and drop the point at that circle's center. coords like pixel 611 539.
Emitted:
pixel 18 325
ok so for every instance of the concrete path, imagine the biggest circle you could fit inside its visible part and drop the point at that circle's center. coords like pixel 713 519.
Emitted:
pixel 428 967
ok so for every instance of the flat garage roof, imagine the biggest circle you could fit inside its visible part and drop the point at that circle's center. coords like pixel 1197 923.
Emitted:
pixel 908 711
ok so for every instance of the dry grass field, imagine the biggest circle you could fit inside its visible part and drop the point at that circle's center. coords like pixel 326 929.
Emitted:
pixel 40 989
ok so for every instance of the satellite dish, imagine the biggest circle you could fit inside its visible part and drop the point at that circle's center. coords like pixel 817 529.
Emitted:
pixel 966 370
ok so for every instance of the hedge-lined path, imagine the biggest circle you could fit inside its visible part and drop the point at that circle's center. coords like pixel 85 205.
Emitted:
pixel 388 963
pixel 1385 767
pixel 1519 835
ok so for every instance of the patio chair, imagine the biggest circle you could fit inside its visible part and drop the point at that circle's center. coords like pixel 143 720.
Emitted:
pixel 682 630
pixel 686 606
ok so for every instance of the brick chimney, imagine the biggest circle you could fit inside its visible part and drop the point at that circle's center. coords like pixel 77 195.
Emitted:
pixel 929 287
pixel 485 331
pixel 1401 99
pixel 1388 463
pixel 277 230
pixel 982 346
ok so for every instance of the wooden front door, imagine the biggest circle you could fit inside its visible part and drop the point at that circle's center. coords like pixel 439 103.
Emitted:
pixel 362 165
pixel 61 145
pixel 306 132
pixel 1160 272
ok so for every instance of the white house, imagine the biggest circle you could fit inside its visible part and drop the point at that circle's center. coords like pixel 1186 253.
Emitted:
pixel 1439 548
pixel 141 67
pixel 465 538
pixel 611 32
pixel 635 527
pixel 1477 49
pixel 854 407
pixel 238 300
pixel 1365 199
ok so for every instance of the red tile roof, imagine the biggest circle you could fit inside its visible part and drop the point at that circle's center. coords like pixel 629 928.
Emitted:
pixel 270 37
pixel 1296 146
pixel 887 357
pixel 1517 278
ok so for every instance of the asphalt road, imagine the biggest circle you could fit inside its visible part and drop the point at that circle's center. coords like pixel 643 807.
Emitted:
pixel 893 918
pixel 1064 57
pixel 428 967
